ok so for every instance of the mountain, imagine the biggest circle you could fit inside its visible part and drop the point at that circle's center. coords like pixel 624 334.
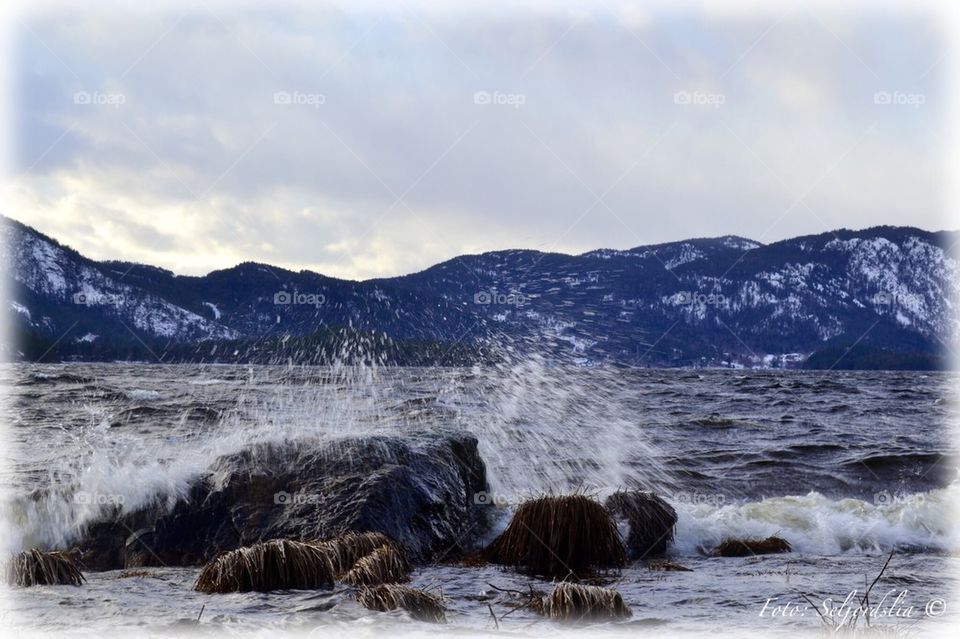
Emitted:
pixel 885 295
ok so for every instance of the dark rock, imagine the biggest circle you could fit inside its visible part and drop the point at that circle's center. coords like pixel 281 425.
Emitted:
pixel 751 547
pixel 418 490
pixel 650 518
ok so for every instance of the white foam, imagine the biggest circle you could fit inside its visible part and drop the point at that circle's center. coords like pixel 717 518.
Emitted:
pixel 142 394
pixel 816 524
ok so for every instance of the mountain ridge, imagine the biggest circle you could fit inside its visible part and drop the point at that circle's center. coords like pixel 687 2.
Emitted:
pixel 723 301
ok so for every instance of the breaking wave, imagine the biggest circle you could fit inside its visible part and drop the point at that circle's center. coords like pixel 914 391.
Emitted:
pixel 816 524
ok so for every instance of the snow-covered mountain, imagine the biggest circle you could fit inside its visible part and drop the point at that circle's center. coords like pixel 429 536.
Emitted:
pixel 714 301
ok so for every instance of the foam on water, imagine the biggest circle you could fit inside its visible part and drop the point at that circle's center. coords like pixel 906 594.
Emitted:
pixel 816 524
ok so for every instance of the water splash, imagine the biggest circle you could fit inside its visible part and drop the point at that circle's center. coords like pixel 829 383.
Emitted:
pixel 544 428
pixel 541 428
pixel 816 524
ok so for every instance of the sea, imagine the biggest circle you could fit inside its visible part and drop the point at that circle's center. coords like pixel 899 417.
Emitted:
pixel 849 467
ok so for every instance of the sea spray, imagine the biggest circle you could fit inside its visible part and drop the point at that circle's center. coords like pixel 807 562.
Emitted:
pixel 106 471
pixel 555 429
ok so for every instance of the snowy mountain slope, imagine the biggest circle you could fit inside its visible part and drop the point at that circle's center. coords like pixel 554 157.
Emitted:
pixel 59 288
pixel 702 301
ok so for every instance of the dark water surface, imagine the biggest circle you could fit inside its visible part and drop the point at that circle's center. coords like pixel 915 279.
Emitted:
pixel 845 465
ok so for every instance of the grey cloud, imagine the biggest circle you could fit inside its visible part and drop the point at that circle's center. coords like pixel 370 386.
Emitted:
pixel 313 186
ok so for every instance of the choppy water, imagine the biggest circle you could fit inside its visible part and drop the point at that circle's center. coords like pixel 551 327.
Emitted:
pixel 846 466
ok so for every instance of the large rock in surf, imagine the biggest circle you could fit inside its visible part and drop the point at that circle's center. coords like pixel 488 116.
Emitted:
pixel 650 518
pixel 417 489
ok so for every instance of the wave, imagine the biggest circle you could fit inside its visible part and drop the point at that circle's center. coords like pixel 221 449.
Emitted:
pixel 816 524
pixel 906 459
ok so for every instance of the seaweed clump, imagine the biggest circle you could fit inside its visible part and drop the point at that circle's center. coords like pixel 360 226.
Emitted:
pixel 421 605
pixel 576 602
pixel 43 568
pixel 559 537
pixel 278 564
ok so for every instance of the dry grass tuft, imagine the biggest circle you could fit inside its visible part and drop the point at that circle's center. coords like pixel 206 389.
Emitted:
pixel 346 549
pixel 748 547
pixel 38 568
pixel 279 564
pixel 385 565
pixel 559 537
pixel 667 566
pixel 421 605
pixel 576 602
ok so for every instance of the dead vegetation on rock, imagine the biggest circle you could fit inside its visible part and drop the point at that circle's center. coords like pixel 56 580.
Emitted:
pixel 559 537
pixel 360 559
pixel 279 564
pixel 385 565
pixel 577 602
pixel 43 568
pixel 345 550
pixel 421 605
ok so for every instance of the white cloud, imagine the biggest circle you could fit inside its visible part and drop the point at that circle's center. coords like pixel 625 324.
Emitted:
pixel 200 168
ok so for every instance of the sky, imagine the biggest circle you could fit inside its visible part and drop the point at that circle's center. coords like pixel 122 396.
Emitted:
pixel 374 141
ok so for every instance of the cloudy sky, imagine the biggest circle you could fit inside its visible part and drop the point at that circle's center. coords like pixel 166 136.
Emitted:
pixel 371 142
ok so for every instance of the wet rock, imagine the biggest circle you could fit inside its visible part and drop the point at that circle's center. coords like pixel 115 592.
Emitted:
pixel 650 519
pixel 417 489
pixel 751 547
